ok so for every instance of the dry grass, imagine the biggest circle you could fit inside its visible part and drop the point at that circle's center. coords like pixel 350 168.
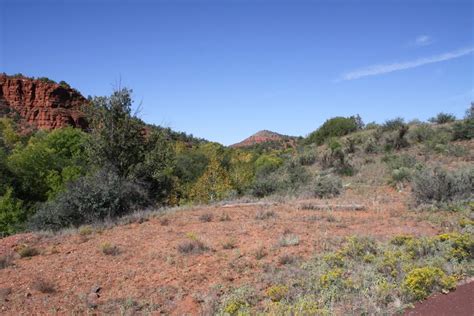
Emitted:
pixel 230 244
pixel 260 253
pixel 288 239
pixel 287 259
pixel 109 249
pixel 28 251
pixel 206 217
pixel 263 215
pixel 6 260
pixel 192 247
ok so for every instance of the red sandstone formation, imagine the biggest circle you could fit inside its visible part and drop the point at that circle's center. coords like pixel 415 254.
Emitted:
pixel 44 104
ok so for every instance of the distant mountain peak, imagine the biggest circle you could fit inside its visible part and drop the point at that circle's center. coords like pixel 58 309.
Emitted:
pixel 265 136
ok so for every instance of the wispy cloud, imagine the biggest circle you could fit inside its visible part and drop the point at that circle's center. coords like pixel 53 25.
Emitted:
pixel 375 70
pixel 423 40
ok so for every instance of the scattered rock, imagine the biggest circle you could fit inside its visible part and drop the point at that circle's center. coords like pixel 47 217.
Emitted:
pixel 92 300
pixel 96 289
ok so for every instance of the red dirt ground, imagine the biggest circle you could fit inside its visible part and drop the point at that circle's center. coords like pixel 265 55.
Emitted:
pixel 150 274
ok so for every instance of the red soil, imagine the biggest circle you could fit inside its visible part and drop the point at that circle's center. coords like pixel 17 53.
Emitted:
pixel 150 270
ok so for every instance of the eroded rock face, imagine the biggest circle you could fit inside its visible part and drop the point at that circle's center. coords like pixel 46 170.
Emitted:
pixel 46 105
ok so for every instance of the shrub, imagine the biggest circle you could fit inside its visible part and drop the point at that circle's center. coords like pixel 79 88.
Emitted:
pixel 262 215
pixel 462 245
pixel 238 301
pixel 266 164
pixel 351 144
pixel 205 218
pixel 393 124
pixel 288 179
pixel 260 253
pixel 224 217
pixel 399 161
pixel 85 230
pixel 400 168
pixel 64 84
pixel 307 158
pixel 327 186
pixel 288 240
pixel 443 118
pixel 28 251
pixel 439 141
pixel 420 282
pixel 229 244
pixel 420 133
pixel 103 195
pixel 12 214
pixel 109 249
pixel 164 221
pixel 396 139
pixel 291 177
pixel 334 127
pixel 371 146
pixel 193 246
pixel 400 175
pixel 287 259
pixel 464 130
pixel 6 260
pixel 262 187
pixel 335 158
pixel 277 292
pixel 371 125
pixel 44 286
pixel 435 186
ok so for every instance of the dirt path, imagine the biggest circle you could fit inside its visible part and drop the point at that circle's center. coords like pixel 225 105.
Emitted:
pixel 459 303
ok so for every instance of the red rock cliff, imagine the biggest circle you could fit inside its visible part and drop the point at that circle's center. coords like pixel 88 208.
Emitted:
pixel 46 105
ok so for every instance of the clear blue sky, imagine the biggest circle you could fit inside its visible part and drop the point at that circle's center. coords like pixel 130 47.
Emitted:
pixel 225 69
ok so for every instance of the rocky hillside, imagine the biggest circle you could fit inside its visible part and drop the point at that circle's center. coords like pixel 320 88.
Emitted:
pixel 41 102
pixel 266 137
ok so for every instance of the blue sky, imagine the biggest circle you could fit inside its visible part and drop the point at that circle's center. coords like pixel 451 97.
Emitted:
pixel 225 69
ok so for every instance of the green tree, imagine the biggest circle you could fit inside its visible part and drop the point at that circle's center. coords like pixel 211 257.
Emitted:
pixel 9 137
pixel 156 171
pixel 213 185
pixel 242 171
pixel 12 214
pixel 335 127
pixel 48 158
pixel 443 118
pixel 117 136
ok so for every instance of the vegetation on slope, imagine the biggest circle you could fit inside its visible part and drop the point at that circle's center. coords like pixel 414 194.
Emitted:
pixel 66 177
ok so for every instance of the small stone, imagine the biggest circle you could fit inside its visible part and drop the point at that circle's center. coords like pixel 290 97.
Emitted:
pixel 92 300
pixel 96 289
pixel 28 294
